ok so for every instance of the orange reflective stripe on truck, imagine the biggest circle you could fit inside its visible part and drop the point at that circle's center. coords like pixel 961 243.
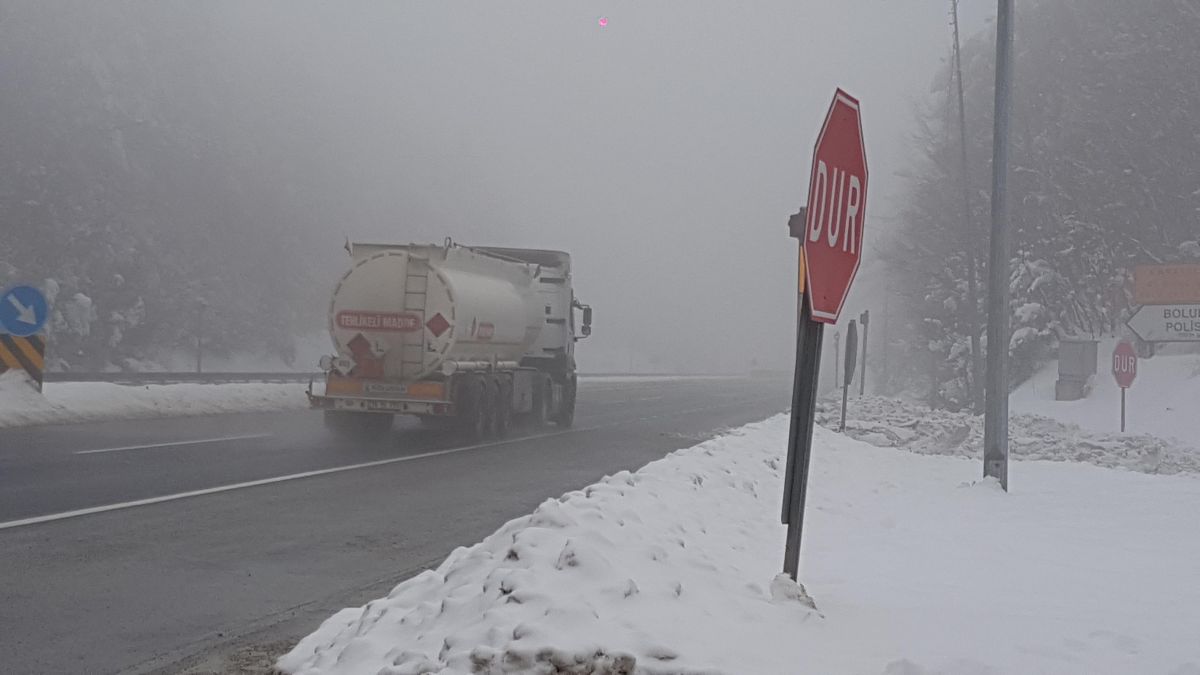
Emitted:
pixel 343 386
pixel 352 386
pixel 430 391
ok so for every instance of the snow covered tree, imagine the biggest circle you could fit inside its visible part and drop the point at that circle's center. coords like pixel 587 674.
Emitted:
pixel 1104 177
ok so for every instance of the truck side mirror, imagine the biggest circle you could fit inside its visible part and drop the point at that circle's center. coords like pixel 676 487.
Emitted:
pixel 586 329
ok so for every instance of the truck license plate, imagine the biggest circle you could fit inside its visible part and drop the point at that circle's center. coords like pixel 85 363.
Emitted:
pixel 383 405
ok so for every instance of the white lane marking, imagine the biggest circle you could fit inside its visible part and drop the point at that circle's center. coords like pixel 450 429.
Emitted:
pixel 265 481
pixel 172 444
pixel 338 469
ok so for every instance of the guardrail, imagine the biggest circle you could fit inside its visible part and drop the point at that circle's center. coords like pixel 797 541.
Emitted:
pixel 177 378
pixel 136 378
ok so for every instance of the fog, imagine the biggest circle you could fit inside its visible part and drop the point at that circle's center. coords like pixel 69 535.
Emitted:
pixel 663 150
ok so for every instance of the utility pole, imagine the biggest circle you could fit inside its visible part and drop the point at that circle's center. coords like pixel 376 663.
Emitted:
pixel 969 230
pixel 995 424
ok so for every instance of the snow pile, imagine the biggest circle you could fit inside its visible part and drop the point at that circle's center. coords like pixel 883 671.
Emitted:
pixel 916 570
pixel 1161 402
pixel 889 422
pixel 604 578
pixel 67 402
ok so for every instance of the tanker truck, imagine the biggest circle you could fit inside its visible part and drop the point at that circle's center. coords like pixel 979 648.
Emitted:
pixel 472 338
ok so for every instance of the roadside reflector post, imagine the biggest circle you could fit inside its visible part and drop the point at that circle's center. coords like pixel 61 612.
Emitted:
pixel 830 230
pixel 201 305
pixel 865 320
pixel 837 359
pixel 851 355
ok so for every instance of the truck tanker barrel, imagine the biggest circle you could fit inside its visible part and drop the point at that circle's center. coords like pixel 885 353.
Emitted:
pixel 451 331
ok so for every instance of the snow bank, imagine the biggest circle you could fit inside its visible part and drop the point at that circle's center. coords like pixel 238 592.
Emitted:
pixel 889 422
pixel 1162 402
pixel 67 402
pixel 915 569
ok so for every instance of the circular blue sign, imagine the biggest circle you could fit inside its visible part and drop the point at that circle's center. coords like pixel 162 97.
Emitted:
pixel 23 311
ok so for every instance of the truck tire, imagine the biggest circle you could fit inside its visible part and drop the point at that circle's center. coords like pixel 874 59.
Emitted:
pixel 566 417
pixel 540 415
pixel 476 403
pixel 501 408
pixel 358 426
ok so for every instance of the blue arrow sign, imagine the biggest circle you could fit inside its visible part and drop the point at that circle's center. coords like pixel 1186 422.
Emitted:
pixel 23 310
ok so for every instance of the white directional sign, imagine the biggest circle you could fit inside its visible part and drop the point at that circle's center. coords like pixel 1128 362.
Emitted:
pixel 1167 323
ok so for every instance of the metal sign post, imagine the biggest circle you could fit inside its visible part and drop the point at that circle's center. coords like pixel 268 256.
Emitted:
pixel 804 406
pixel 851 356
pixel 865 320
pixel 799 377
pixel 831 233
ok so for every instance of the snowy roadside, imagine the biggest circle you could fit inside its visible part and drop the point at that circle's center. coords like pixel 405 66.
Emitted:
pixel 890 422
pixel 915 569
pixel 70 402
pixel 1162 401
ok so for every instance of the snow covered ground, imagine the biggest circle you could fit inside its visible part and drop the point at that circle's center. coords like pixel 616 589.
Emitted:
pixel 889 422
pixel 1164 400
pixel 916 567
pixel 1163 432
pixel 68 402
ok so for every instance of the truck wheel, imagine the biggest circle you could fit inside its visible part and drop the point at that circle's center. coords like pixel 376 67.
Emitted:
pixel 501 408
pixel 541 402
pixel 476 421
pixel 566 416
pixel 358 426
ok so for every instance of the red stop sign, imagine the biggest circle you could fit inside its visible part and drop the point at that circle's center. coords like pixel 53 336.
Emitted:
pixel 837 200
pixel 1124 364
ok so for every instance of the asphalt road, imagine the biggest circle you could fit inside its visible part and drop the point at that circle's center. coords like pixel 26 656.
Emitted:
pixel 209 544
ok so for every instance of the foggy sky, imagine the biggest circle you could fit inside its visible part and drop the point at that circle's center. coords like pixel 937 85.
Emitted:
pixel 663 151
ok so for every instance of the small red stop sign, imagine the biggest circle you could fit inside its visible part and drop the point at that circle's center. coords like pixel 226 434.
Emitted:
pixel 837 207
pixel 1124 364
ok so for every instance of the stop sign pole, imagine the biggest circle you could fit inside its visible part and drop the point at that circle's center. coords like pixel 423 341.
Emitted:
pixel 830 230
pixel 1124 369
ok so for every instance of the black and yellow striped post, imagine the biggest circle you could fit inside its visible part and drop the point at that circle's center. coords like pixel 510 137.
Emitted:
pixel 24 353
